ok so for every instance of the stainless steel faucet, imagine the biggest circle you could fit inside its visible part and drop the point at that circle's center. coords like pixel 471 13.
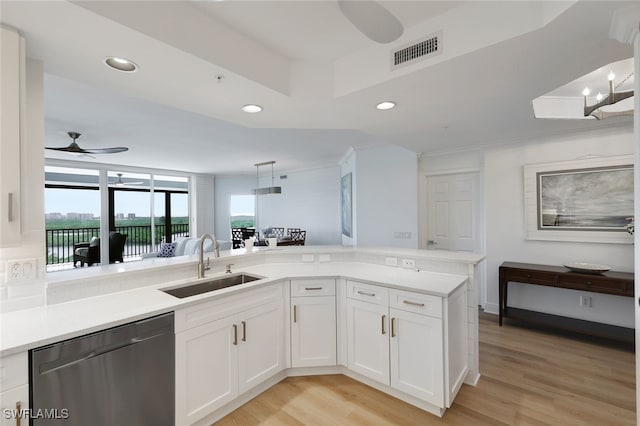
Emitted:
pixel 216 252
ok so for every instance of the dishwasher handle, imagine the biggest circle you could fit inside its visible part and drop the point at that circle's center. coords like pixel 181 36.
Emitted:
pixel 60 364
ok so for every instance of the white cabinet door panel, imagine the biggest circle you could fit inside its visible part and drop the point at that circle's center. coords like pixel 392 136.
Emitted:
pixel 417 366
pixel 16 401
pixel 313 331
pixel 206 369
pixel 367 340
pixel 260 335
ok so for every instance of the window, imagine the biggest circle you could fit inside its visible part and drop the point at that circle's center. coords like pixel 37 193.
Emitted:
pixel 73 210
pixel 242 211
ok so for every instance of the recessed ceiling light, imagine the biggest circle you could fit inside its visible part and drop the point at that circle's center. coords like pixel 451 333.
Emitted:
pixel 121 64
pixel 251 108
pixel 386 105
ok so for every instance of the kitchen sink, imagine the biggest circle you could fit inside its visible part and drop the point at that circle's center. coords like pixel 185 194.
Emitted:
pixel 210 285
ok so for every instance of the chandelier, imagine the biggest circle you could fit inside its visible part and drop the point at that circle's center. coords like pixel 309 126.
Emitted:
pixel 614 97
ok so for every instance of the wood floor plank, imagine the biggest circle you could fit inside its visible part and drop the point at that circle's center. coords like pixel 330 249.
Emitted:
pixel 529 377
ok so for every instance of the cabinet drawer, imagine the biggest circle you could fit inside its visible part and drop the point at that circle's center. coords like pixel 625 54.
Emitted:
pixel 596 284
pixel 368 292
pixel 532 277
pixel 14 370
pixel 225 306
pixel 315 287
pixel 425 304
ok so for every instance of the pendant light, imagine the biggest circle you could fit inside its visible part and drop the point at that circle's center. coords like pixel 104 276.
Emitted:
pixel 268 189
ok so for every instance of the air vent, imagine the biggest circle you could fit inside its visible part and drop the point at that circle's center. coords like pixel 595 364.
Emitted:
pixel 417 51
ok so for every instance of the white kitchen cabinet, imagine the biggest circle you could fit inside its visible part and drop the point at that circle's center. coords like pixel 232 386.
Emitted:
pixel 221 359
pixel 397 338
pixel 260 343
pixel 206 369
pixel 367 339
pixel 14 403
pixel 313 331
pixel 417 366
pixel 11 88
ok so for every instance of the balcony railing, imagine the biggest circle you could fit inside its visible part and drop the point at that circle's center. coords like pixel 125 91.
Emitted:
pixel 60 241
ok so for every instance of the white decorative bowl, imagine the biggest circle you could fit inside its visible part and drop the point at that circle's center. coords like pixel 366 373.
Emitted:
pixel 587 268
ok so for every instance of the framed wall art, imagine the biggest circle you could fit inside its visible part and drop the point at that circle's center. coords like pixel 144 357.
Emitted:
pixel 589 200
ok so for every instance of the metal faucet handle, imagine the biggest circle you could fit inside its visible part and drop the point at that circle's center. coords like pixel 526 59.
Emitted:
pixel 229 265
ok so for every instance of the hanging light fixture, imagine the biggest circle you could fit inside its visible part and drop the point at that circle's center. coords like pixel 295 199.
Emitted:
pixel 613 98
pixel 268 189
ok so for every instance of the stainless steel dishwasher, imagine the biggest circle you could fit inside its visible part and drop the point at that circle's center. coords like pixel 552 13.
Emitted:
pixel 120 376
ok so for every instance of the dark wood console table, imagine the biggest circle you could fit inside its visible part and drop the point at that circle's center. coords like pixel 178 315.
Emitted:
pixel 617 283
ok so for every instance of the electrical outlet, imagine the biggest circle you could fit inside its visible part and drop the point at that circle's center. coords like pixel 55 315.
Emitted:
pixel 308 258
pixel 585 301
pixel 324 258
pixel 21 270
pixel 408 263
pixel 402 235
pixel 391 261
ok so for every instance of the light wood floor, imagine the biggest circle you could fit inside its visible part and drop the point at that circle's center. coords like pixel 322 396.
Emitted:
pixel 529 377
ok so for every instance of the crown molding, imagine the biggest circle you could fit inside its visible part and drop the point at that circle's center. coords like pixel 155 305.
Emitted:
pixel 625 24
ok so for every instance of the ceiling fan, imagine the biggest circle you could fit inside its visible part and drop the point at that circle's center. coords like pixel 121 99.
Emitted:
pixel 74 148
pixel 120 182
pixel 372 20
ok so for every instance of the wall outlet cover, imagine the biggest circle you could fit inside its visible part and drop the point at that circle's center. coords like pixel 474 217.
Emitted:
pixel 308 258
pixel 324 258
pixel 391 261
pixel 21 270
pixel 408 263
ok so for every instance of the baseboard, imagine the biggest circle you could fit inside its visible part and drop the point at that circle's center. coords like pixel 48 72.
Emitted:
pixel 472 378
pixel 492 308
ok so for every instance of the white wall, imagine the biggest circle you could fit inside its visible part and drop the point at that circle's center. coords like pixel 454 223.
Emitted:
pixel 224 188
pixel 202 204
pixel 348 165
pixel 505 228
pixel 310 200
pixel 387 197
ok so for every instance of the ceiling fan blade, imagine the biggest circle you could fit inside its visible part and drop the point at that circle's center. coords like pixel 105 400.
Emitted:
pixel 113 150
pixel 372 20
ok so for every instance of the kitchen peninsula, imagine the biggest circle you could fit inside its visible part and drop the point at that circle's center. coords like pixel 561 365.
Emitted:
pixel 434 300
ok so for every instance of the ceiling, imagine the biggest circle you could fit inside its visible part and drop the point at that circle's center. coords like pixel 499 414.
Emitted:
pixel 316 76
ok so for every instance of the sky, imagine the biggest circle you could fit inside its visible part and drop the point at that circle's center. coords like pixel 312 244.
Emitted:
pixel 88 201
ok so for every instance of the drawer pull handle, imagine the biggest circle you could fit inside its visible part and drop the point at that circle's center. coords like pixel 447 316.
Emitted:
pixel 589 282
pixel 244 331
pixel 18 413
pixel 409 302
pixel 295 314
pixel 10 205
pixel 383 318
pixel 313 288
pixel 393 327
pixel 528 275
pixel 364 293
pixel 235 335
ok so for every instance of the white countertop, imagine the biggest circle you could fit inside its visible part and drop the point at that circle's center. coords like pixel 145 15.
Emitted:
pixel 31 328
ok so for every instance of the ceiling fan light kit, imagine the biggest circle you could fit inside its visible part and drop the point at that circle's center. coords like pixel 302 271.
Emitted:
pixel 372 20
pixel 74 148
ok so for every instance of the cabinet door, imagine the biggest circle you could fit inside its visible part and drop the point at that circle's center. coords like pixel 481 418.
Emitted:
pixel 10 86
pixel 313 331
pixel 206 369
pixel 261 344
pixel 16 402
pixel 368 340
pixel 417 366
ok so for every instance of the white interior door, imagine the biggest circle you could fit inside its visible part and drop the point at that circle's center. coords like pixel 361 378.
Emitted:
pixel 452 212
